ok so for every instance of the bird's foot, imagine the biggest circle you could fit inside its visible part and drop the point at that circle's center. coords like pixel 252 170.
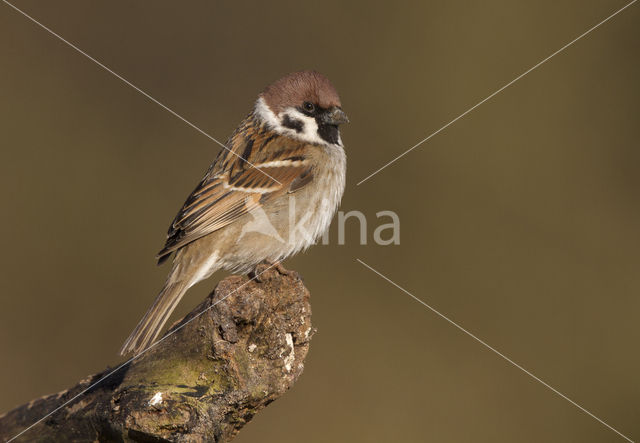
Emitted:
pixel 282 270
pixel 265 266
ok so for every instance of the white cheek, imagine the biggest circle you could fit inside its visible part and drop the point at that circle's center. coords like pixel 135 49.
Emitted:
pixel 309 132
pixel 266 114
pixel 309 126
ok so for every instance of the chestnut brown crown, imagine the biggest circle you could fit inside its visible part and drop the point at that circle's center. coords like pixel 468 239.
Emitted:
pixel 294 89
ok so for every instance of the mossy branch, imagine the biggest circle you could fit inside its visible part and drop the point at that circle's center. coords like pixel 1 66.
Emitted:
pixel 203 383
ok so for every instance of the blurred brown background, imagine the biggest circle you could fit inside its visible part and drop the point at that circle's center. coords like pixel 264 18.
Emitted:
pixel 520 221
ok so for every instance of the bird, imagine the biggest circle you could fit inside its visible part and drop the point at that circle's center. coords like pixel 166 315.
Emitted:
pixel 271 192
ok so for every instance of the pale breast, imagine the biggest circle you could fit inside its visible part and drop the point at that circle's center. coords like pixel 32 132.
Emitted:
pixel 290 223
pixel 322 198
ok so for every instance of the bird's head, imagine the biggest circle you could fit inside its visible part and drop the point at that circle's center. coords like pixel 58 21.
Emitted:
pixel 304 105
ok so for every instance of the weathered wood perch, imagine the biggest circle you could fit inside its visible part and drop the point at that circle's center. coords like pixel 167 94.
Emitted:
pixel 201 384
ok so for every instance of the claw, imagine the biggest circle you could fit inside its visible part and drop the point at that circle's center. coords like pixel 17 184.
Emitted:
pixel 282 270
pixel 266 266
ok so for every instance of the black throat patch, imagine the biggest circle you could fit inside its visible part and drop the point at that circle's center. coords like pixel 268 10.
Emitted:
pixel 328 133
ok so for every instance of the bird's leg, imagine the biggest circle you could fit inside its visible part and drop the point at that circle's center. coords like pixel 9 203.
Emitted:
pixel 255 273
pixel 259 270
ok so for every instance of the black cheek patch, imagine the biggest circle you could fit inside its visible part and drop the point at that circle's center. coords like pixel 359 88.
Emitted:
pixel 290 123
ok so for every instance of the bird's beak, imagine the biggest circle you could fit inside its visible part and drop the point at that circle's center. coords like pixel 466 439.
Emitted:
pixel 335 116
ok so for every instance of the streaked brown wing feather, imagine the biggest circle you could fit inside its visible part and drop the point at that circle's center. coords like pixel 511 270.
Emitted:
pixel 225 194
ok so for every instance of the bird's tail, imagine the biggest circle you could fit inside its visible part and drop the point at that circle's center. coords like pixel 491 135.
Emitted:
pixel 151 324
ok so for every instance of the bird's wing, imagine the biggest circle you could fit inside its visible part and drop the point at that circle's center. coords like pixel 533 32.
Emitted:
pixel 238 181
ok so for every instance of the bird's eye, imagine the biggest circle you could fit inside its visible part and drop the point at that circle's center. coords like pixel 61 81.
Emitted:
pixel 308 106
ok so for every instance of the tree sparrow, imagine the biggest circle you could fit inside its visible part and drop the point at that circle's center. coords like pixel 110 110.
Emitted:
pixel 271 193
